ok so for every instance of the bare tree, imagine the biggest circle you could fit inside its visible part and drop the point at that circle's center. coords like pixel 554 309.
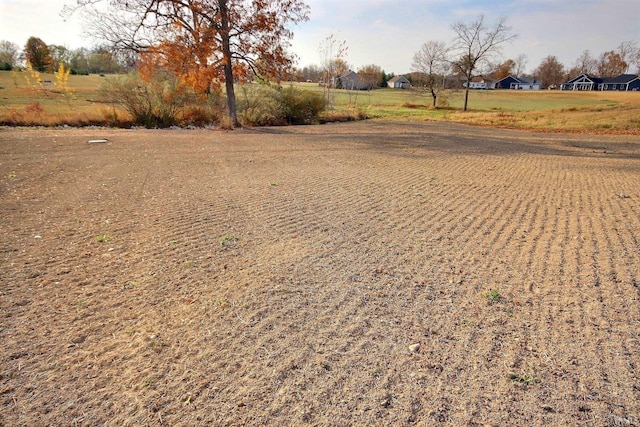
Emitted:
pixel 333 54
pixel 521 62
pixel 9 54
pixel 585 64
pixel 476 43
pixel 432 63
pixel 630 53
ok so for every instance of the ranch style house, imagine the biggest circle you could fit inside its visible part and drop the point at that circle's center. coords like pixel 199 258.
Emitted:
pixel 624 82
pixel 518 83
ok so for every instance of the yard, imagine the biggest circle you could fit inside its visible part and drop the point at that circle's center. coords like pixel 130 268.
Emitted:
pixel 24 103
pixel 370 273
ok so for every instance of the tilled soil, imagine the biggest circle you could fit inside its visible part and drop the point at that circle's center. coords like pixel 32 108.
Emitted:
pixel 354 274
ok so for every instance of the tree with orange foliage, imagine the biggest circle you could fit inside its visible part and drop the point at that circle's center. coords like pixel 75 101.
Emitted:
pixel 611 64
pixel 504 70
pixel 207 43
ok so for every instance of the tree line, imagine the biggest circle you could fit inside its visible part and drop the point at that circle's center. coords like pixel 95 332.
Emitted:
pixel 46 58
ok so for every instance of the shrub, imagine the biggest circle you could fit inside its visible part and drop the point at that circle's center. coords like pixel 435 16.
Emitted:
pixel 300 107
pixel 443 100
pixel 257 105
pixel 158 102
pixel 266 105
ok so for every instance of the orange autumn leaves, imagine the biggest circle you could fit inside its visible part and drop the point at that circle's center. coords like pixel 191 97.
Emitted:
pixel 191 47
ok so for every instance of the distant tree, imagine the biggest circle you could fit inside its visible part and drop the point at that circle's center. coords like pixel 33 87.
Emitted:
pixel 333 53
pixel 79 62
pixel 521 62
pixel 102 61
pixel 611 64
pixel 432 65
pixel 475 44
pixel 37 54
pixel 312 73
pixel 60 55
pixel 630 53
pixel 585 64
pixel 297 75
pixel 206 43
pixel 371 75
pixel 385 78
pixel 505 69
pixel 9 54
pixel 550 72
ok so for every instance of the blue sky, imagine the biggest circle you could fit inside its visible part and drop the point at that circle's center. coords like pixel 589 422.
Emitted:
pixel 389 32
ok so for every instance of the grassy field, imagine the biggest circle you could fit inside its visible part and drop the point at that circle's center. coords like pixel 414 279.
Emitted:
pixel 22 103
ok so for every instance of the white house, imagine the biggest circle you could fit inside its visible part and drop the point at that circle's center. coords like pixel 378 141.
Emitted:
pixel 399 82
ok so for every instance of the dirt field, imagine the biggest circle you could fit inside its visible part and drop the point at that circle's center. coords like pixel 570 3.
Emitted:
pixel 354 274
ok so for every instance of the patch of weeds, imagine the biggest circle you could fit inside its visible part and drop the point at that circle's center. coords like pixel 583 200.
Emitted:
pixel 227 240
pixel 274 183
pixel 172 242
pixel 220 301
pixel 11 175
pixel 188 264
pixel 525 378
pixel 157 344
pixel 129 285
pixel 103 238
pixel 150 382
pixel 494 296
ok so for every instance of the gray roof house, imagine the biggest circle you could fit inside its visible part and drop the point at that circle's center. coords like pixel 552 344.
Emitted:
pixel 623 82
pixel 351 81
pixel 399 82
pixel 513 82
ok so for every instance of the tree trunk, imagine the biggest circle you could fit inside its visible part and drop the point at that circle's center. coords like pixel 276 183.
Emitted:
pixel 228 66
pixel 466 94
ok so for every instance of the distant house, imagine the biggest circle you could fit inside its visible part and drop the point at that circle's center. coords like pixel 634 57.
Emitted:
pixel 399 82
pixel 478 83
pixel 513 82
pixel 351 81
pixel 624 82
pixel 582 82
